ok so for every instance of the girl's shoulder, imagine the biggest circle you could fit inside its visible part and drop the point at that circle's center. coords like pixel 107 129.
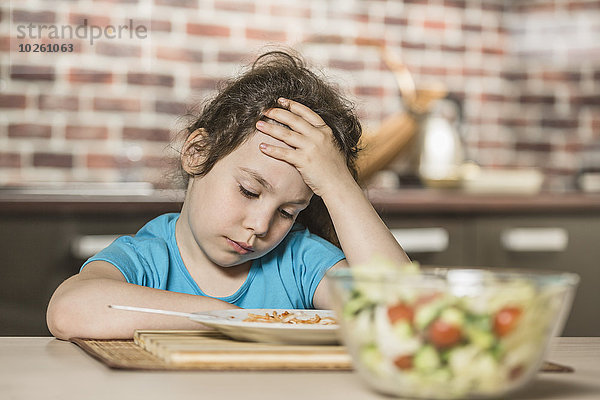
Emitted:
pixel 301 239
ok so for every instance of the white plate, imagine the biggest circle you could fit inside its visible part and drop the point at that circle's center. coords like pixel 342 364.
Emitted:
pixel 231 323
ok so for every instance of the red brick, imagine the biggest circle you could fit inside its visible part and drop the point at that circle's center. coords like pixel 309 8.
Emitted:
pixel 439 71
pixel 537 99
pixel 10 160
pixel 583 5
pixel 347 65
pixel 33 16
pixel 12 101
pixel 492 50
pixel 29 130
pixel 32 73
pixel 117 1
pixel 101 161
pixel 361 18
pixel 324 39
pixel 117 104
pixel 431 24
pixel 231 56
pixel 395 21
pixel 573 147
pixel 204 83
pixel 178 3
pixel 514 75
pixel 412 45
pixel 454 49
pixel 533 146
pixel 365 41
pixel 208 30
pixel 240 7
pixel 561 76
pixel 369 91
pixel 152 134
pixel 589 100
pixel 86 132
pixel 285 11
pixel 159 26
pixel 455 3
pixel 92 19
pixel 80 75
pixel 263 34
pixel 118 50
pixel 58 102
pixel 170 107
pixel 513 122
pixel 147 79
pixel 179 54
pixel 52 160
pixel 157 162
pixel 491 97
pixel 474 72
pixel 560 123
pixel 5 43
pixel 471 28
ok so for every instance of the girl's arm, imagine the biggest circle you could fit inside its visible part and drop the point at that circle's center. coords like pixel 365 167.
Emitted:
pixel 362 234
pixel 360 230
pixel 79 306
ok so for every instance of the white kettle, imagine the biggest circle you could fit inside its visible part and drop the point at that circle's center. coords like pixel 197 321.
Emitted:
pixel 440 146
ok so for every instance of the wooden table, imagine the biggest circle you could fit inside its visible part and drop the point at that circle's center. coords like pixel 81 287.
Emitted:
pixel 46 368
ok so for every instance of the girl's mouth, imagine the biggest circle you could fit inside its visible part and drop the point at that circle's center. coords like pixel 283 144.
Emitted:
pixel 240 248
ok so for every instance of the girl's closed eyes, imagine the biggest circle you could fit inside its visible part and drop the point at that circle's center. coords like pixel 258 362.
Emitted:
pixel 251 195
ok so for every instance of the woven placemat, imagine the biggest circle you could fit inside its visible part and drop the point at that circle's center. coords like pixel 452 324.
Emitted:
pixel 126 354
pixel 123 354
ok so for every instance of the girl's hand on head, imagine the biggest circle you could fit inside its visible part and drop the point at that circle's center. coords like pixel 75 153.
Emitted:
pixel 314 153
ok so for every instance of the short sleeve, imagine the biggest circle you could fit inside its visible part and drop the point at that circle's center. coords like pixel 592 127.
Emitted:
pixel 141 261
pixel 312 256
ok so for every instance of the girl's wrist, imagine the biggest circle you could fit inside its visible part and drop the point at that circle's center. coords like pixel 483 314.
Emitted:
pixel 341 188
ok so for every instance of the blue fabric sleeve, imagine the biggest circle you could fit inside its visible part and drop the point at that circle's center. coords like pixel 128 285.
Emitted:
pixel 313 257
pixel 125 253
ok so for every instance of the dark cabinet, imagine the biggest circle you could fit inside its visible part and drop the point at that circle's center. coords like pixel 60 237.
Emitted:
pixel 40 249
pixel 540 241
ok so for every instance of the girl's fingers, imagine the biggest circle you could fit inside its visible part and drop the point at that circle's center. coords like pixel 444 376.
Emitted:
pixel 279 153
pixel 280 132
pixel 295 122
pixel 305 112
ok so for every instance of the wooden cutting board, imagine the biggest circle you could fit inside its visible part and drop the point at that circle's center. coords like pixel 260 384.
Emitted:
pixel 213 350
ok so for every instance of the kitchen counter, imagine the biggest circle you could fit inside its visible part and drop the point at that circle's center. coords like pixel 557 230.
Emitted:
pixel 43 367
pixel 413 201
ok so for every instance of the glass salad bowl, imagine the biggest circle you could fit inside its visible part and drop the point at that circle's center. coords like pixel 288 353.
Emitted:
pixel 447 333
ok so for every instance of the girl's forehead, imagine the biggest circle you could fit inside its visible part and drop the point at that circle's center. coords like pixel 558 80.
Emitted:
pixel 279 174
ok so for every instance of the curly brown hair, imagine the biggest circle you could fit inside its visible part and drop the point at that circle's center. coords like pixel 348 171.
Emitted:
pixel 230 116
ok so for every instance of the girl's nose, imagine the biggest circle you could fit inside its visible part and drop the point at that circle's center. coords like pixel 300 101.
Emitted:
pixel 259 222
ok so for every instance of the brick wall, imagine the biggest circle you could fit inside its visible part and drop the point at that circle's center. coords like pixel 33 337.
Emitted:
pixel 528 73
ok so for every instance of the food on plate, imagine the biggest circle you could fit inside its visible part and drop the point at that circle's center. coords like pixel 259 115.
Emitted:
pixel 287 317
pixel 442 333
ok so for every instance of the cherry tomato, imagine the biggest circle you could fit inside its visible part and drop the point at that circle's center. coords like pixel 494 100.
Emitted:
pixel 404 362
pixel 400 312
pixel 516 372
pixel 422 300
pixel 505 320
pixel 444 335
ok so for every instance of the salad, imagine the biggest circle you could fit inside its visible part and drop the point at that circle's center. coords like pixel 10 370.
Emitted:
pixel 440 335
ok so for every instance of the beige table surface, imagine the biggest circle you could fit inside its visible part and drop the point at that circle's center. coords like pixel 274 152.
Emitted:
pixel 46 368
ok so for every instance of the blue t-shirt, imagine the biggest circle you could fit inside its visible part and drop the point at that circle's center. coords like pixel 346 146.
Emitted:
pixel 286 277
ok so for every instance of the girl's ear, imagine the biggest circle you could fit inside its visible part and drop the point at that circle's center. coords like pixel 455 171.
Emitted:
pixel 192 155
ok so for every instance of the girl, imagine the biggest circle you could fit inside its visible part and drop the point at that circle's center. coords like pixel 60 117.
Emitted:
pixel 271 193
